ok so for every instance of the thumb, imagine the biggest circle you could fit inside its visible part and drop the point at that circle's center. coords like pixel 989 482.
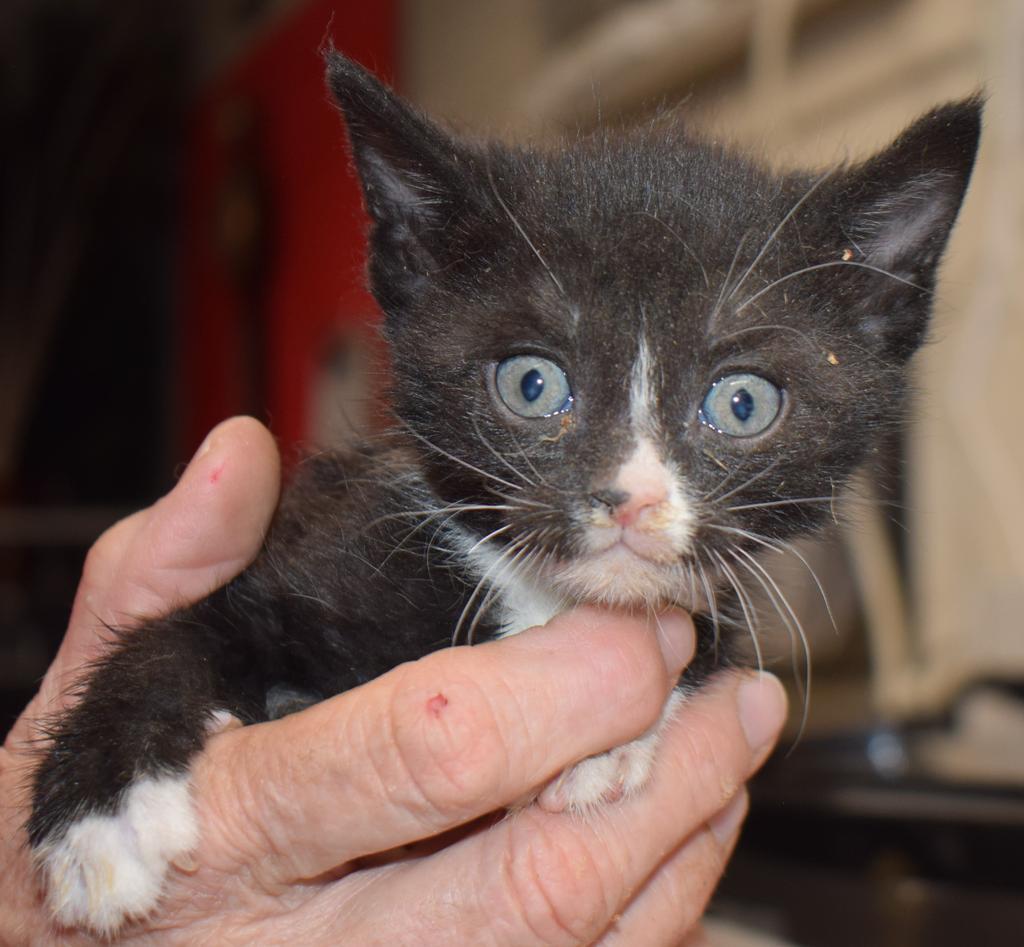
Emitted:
pixel 190 542
pixel 204 532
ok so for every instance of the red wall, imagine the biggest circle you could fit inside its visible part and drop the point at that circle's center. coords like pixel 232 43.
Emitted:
pixel 309 278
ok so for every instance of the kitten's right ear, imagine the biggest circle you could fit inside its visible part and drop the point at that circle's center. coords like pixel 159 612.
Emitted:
pixel 412 174
pixel 898 209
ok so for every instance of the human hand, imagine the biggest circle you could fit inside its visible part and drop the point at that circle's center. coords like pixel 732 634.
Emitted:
pixel 363 817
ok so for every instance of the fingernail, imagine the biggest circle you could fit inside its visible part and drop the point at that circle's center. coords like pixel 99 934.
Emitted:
pixel 186 863
pixel 762 707
pixel 206 446
pixel 674 630
pixel 726 823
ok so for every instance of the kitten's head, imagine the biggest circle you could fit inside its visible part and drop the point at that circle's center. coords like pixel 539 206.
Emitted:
pixel 646 353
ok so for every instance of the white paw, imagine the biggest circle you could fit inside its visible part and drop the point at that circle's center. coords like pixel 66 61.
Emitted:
pixel 598 779
pixel 106 869
pixel 607 777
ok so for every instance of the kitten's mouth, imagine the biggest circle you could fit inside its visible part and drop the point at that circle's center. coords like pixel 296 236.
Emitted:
pixel 652 546
pixel 628 573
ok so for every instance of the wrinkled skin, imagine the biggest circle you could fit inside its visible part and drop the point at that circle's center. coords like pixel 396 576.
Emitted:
pixel 295 814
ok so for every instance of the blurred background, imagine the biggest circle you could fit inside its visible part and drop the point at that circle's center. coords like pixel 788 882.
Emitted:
pixel 181 240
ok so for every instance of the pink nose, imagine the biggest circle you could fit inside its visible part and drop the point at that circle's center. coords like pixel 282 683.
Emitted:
pixel 629 508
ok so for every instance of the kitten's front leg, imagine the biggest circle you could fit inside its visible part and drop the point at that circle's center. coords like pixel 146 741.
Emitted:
pixel 621 771
pixel 111 808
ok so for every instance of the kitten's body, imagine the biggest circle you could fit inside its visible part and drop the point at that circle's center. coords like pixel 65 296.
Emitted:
pixel 644 271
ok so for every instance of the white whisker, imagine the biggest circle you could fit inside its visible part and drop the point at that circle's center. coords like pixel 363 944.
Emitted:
pixel 526 457
pixel 824 266
pixel 778 229
pixel 502 459
pixel 460 461
pixel 496 532
pixel 712 600
pixel 682 243
pixel 793 626
pixel 747 606
pixel 499 560
pixel 780 546
pixel 523 233
pixel 769 504
pixel 747 483
pixel 725 283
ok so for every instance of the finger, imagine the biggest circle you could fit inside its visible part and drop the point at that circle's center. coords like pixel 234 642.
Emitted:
pixel 205 531
pixel 550 878
pixel 435 743
pixel 672 902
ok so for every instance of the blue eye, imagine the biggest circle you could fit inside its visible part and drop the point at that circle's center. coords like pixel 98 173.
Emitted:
pixel 533 387
pixel 741 405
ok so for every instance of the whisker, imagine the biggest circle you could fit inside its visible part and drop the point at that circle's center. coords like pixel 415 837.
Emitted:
pixel 764 327
pixel 770 504
pixel 526 457
pixel 824 266
pixel 445 519
pixel 712 600
pixel 721 483
pixel 484 607
pixel 498 561
pixel 448 513
pixel 497 532
pixel 459 460
pixel 516 566
pixel 518 502
pixel 793 627
pixel 778 229
pixel 849 498
pixel 523 233
pixel 693 584
pixel 431 512
pixel 682 243
pixel 652 615
pixel 793 551
pixel 725 283
pixel 780 546
pixel 747 483
pixel 747 606
pixel 499 456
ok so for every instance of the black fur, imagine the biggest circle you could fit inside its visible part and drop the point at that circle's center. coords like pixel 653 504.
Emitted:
pixel 480 251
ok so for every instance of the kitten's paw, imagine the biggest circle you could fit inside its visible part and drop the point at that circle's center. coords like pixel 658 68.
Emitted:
pixel 104 869
pixel 607 777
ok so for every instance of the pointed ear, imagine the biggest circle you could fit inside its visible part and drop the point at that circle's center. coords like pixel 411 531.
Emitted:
pixel 903 201
pixel 898 209
pixel 413 177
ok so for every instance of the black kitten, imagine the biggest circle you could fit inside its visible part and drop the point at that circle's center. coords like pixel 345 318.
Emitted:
pixel 622 369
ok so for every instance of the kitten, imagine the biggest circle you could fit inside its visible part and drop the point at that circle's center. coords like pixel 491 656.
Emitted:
pixel 623 368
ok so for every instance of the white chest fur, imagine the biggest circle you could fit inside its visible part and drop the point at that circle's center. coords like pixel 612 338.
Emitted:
pixel 519 601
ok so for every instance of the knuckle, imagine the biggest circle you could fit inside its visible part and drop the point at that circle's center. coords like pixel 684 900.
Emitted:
pixel 447 746
pixel 712 773
pixel 99 558
pixel 558 888
pixel 628 671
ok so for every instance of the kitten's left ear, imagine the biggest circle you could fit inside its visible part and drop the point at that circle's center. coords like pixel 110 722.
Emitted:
pixel 899 207
pixel 413 175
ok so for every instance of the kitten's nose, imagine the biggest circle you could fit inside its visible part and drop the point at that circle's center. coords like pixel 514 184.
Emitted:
pixel 627 507
pixel 611 499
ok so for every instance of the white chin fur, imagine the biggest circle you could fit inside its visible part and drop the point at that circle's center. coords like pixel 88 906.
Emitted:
pixel 621 578
pixel 106 869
